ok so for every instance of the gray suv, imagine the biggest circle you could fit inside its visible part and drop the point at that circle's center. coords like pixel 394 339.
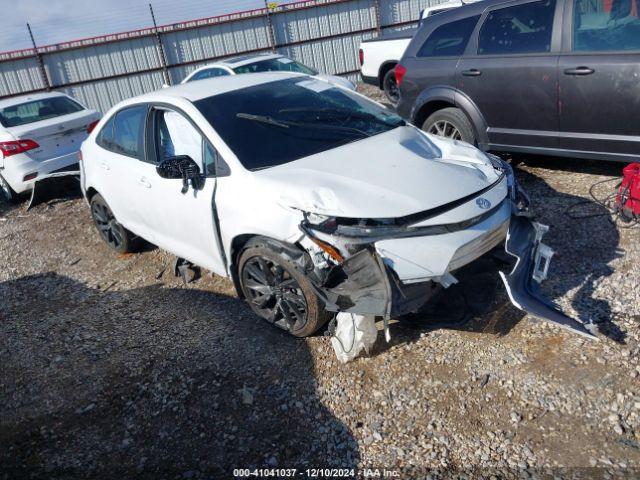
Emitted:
pixel 557 77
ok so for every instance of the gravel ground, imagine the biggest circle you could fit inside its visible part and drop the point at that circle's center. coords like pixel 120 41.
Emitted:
pixel 111 368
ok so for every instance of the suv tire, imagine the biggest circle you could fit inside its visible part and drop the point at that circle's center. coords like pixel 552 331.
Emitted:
pixel 115 235
pixel 390 87
pixel 450 123
pixel 269 279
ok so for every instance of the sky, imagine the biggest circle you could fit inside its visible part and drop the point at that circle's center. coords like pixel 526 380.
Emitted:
pixel 56 21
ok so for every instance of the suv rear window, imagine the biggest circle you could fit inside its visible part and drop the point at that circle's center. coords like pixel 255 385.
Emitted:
pixel 450 39
pixel 524 28
pixel 38 110
pixel 606 25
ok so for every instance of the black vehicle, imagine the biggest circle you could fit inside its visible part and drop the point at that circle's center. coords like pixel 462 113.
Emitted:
pixel 558 77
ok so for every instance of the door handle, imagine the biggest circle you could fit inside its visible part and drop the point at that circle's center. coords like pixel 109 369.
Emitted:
pixel 473 72
pixel 105 166
pixel 144 182
pixel 579 71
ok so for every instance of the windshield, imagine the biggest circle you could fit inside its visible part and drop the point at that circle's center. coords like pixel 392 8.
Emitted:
pixel 282 64
pixel 279 122
pixel 38 110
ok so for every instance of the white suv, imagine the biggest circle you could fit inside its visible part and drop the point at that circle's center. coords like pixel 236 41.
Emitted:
pixel 313 198
pixel 40 134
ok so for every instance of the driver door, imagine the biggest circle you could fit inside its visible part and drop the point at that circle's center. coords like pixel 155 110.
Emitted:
pixel 182 223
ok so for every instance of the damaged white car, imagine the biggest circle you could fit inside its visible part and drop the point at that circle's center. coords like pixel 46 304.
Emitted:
pixel 312 198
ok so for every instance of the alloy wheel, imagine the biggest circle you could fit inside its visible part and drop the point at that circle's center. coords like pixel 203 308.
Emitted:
pixel 274 293
pixel 108 227
pixel 443 128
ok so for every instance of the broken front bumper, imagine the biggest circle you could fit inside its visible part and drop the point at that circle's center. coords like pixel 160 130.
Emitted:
pixel 523 282
pixel 364 284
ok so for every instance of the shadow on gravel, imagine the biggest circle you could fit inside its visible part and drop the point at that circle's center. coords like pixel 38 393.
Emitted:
pixel 584 247
pixel 153 383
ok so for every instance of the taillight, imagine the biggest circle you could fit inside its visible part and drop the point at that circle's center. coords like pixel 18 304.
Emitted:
pixel 17 146
pixel 361 57
pixel 91 126
pixel 400 73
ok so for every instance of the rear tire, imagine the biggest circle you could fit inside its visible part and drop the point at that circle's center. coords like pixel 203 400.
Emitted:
pixel 450 123
pixel 390 87
pixel 6 192
pixel 115 235
pixel 278 291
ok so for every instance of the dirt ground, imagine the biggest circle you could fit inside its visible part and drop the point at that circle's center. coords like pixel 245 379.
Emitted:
pixel 112 368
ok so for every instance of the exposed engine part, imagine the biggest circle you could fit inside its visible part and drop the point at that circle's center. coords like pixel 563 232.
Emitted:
pixel 353 334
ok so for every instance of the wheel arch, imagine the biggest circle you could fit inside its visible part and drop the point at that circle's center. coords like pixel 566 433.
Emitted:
pixel 437 98
pixel 246 240
pixel 384 68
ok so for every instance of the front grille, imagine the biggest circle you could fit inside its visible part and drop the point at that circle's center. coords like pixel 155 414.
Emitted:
pixel 478 247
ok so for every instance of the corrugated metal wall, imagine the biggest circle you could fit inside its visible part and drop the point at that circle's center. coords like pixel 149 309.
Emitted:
pixel 323 34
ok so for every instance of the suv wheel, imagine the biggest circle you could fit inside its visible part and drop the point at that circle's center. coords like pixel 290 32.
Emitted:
pixel 390 87
pixel 6 192
pixel 115 235
pixel 450 123
pixel 278 291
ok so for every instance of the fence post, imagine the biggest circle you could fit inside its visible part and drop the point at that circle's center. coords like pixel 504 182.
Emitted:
pixel 376 5
pixel 272 35
pixel 43 71
pixel 161 54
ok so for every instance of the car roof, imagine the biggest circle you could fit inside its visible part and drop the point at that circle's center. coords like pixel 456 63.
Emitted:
pixel 239 61
pixel 194 91
pixel 9 102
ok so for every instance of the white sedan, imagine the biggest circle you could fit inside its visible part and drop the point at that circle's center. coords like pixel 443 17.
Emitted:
pixel 312 198
pixel 40 134
pixel 258 63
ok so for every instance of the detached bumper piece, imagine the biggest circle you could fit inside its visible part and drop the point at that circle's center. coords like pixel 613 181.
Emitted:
pixel 523 283
pixel 54 185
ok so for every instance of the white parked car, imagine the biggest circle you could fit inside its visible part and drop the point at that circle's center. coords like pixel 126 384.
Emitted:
pixel 379 56
pixel 39 134
pixel 312 198
pixel 259 63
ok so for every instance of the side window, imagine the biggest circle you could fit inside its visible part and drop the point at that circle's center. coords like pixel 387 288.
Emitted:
pixel 209 73
pixel 606 25
pixel 176 136
pixel 522 28
pixel 105 137
pixel 128 132
pixel 450 39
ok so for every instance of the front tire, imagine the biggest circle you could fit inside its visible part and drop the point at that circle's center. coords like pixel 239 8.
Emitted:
pixel 278 291
pixel 6 192
pixel 450 123
pixel 390 87
pixel 115 235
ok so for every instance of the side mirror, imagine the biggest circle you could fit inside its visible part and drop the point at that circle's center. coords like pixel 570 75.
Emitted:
pixel 181 167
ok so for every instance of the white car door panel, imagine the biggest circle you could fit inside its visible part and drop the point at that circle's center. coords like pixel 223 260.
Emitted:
pixel 182 223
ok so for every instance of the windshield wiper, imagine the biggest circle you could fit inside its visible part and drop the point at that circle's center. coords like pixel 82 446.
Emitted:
pixel 262 119
pixel 288 123
pixel 346 113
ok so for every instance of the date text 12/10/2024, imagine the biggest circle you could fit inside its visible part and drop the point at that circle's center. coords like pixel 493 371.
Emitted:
pixel 315 473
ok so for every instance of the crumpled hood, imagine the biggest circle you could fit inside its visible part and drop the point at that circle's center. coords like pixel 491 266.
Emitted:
pixel 392 174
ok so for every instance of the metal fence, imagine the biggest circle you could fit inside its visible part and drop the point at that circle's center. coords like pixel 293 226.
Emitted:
pixel 102 71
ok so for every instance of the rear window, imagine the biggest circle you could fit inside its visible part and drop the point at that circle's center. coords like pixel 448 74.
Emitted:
pixel 278 122
pixel 282 64
pixel 38 110
pixel 450 39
